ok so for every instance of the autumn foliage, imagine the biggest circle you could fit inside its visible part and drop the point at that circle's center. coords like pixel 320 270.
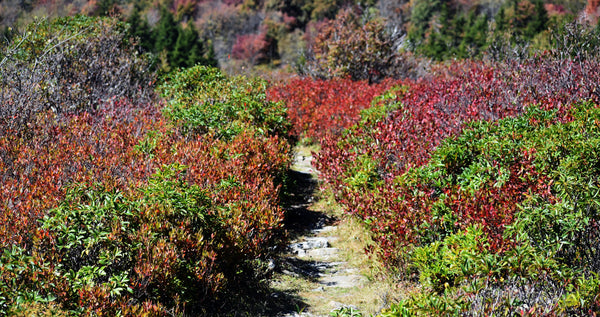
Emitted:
pixel 434 109
pixel 492 148
pixel 317 108
pixel 117 208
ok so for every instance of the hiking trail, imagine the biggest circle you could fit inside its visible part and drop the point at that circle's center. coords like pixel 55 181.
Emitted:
pixel 325 266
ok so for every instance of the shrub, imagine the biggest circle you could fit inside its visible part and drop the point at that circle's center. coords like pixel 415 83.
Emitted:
pixel 492 146
pixel 202 99
pixel 114 210
pixel 432 110
pixel 69 65
pixel 523 185
pixel 136 242
pixel 317 108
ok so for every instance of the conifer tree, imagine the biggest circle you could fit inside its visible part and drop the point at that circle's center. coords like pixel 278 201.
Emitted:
pixel 435 46
pixel 469 36
pixel 189 50
pixel 139 29
pixel 179 56
pixel 166 32
pixel 501 20
pixel 105 7
pixel 210 58
pixel 421 14
pixel 538 21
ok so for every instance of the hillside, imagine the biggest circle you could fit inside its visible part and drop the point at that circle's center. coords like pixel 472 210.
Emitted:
pixel 136 178
pixel 289 36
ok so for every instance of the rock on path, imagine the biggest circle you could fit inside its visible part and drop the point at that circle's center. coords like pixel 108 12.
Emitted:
pixel 313 260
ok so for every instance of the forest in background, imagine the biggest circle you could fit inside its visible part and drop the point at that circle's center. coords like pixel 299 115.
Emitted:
pixel 138 179
pixel 287 35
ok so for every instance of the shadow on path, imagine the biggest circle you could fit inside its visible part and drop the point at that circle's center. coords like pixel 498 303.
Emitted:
pixel 298 197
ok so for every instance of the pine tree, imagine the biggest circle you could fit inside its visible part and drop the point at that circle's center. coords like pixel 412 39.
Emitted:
pixel 166 33
pixel 210 59
pixel 420 18
pixel 538 21
pixel 189 49
pixel 139 29
pixel 179 57
pixel 105 7
pixel 501 20
pixel 434 46
pixel 196 55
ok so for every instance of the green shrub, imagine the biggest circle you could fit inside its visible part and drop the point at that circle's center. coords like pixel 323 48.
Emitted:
pixel 106 243
pixel 93 231
pixel 201 100
pixel 548 230
pixel 457 258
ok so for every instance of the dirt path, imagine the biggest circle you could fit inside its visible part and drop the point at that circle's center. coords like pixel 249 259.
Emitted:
pixel 325 266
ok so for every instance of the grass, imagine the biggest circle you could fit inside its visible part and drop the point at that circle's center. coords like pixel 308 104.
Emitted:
pixel 378 287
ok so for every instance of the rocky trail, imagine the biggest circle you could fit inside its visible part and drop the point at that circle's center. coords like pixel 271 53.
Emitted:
pixel 325 268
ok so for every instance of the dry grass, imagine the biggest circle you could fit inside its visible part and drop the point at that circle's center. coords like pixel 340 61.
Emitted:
pixel 377 288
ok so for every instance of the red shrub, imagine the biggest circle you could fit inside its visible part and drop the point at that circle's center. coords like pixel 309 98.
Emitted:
pixel 120 149
pixel 250 47
pixel 432 110
pixel 317 108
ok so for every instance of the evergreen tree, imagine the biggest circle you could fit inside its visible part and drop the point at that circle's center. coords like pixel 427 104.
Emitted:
pixel 105 7
pixel 139 29
pixel 458 29
pixel 166 33
pixel 501 22
pixel 179 57
pixel 189 49
pixel 210 59
pixel 538 21
pixel 435 46
pixel 444 21
pixel 468 37
pixel 420 18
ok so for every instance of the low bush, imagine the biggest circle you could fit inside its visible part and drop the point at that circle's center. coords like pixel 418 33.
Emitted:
pixel 202 99
pixel 69 65
pixel 317 108
pixel 101 240
pixel 480 146
pixel 118 208
pixel 529 186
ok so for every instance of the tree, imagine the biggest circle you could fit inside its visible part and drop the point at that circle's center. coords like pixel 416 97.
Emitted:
pixel 106 8
pixel 356 47
pixel 435 47
pixel 166 32
pixel 501 20
pixel 538 20
pixel 420 17
pixel 474 40
pixel 139 29
pixel 251 47
pixel 189 50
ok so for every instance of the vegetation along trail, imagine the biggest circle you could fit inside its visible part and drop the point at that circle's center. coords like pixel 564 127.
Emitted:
pixel 146 146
